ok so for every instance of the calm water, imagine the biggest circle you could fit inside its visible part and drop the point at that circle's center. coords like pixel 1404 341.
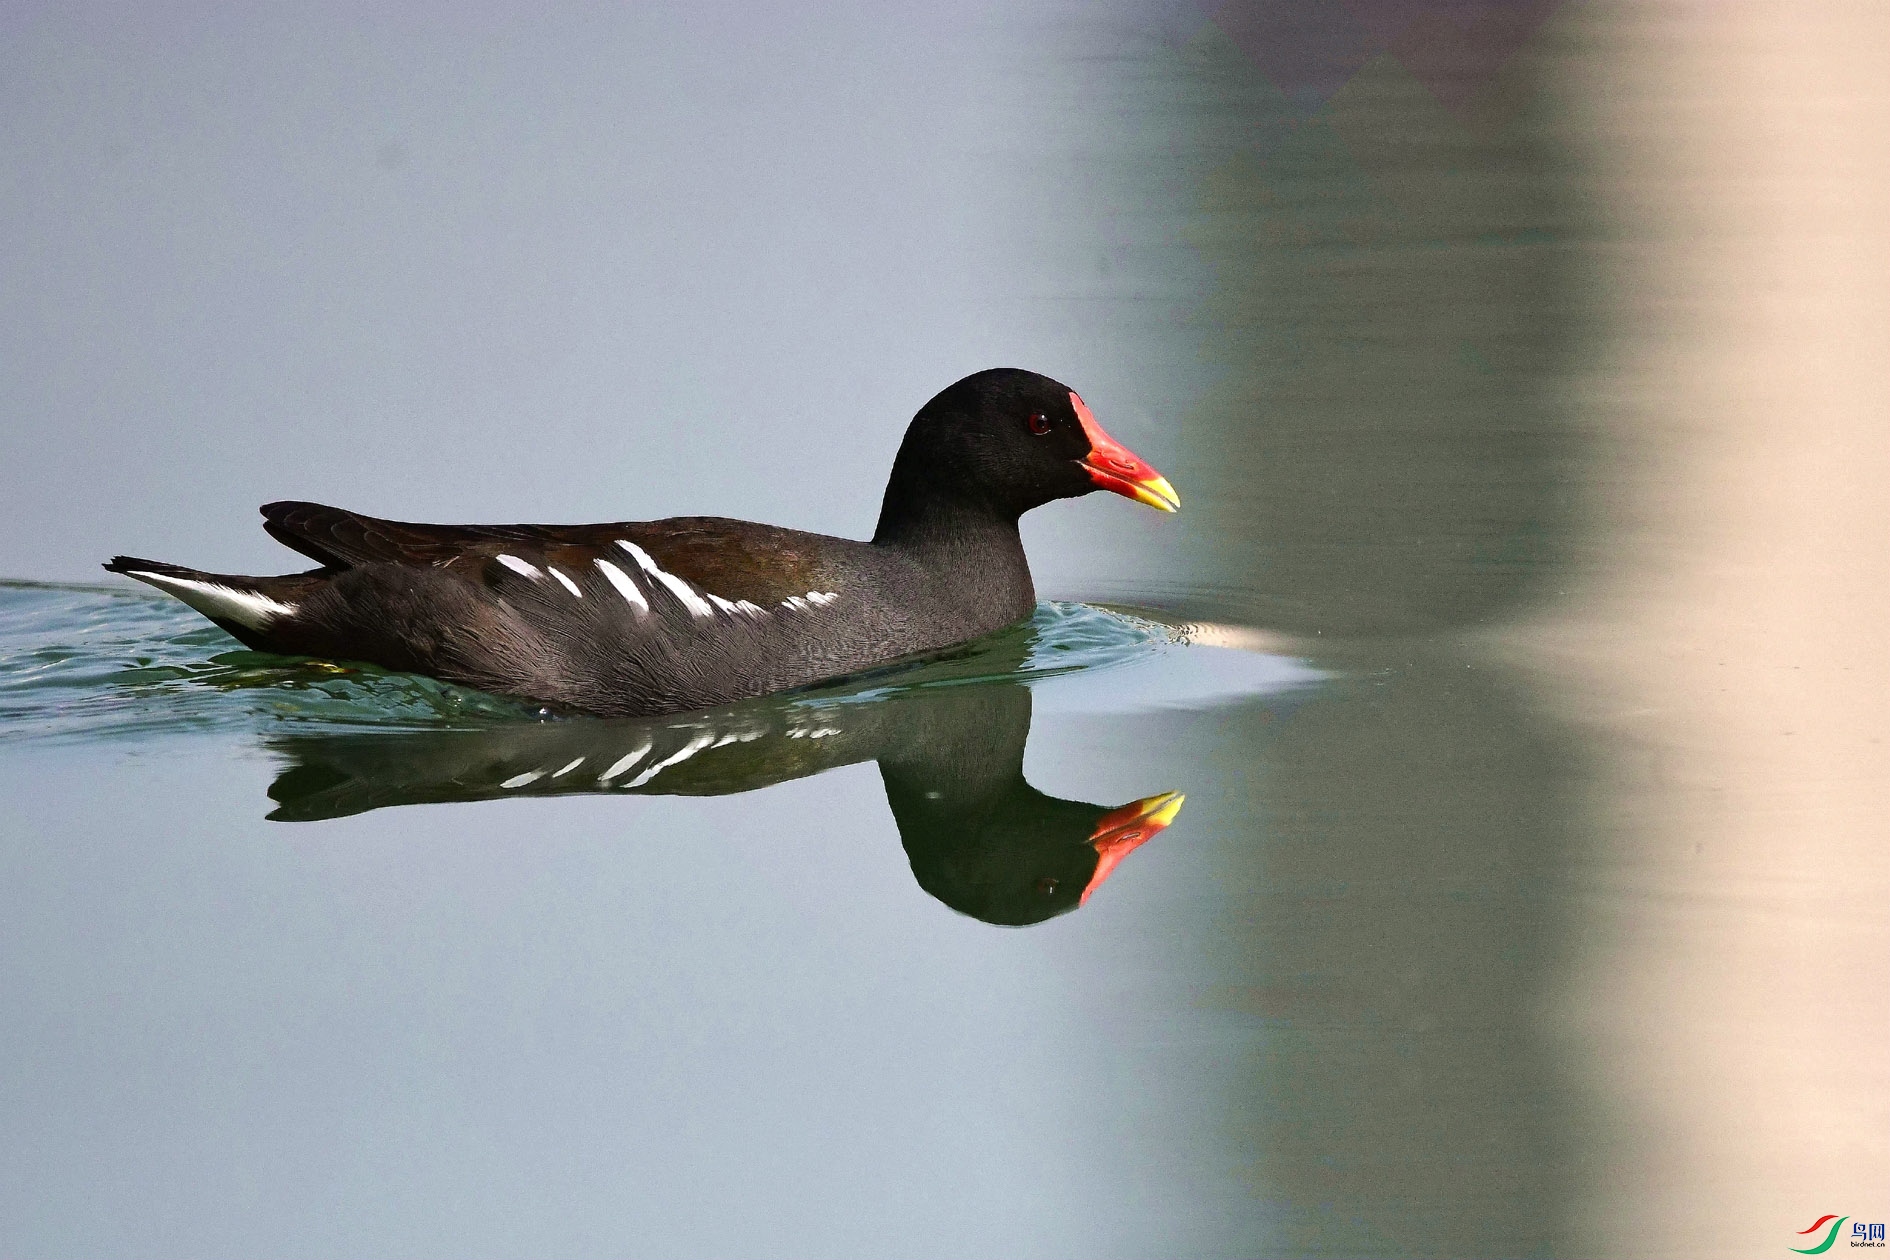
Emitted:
pixel 1517 653
pixel 768 975
pixel 742 984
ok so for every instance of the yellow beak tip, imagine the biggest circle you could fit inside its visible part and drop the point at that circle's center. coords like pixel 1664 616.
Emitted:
pixel 1165 812
pixel 1158 494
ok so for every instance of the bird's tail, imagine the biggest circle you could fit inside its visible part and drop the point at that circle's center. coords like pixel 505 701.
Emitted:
pixel 236 603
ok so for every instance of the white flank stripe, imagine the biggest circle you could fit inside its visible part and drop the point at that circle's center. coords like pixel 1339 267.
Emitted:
pixel 625 584
pixel 795 602
pixel 753 610
pixel 677 587
pixel 520 780
pixel 694 746
pixel 629 759
pixel 569 585
pixel 723 604
pixel 524 568
pixel 245 608
pixel 822 597
pixel 696 605
pixel 568 769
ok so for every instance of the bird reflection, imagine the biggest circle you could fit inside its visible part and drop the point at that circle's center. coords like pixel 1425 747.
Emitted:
pixel 979 837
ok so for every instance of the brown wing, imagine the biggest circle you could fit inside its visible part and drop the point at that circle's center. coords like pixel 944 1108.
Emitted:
pixel 738 560
pixel 734 559
pixel 342 538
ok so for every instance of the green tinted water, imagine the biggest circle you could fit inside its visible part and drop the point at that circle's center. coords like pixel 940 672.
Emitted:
pixel 85 662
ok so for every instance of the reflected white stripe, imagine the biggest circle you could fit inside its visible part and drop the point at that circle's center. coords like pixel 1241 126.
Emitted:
pixel 629 759
pixel 568 769
pixel 694 746
pixel 520 780
pixel 625 584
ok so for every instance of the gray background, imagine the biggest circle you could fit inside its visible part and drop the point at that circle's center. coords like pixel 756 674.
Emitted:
pixel 592 264
pixel 1485 367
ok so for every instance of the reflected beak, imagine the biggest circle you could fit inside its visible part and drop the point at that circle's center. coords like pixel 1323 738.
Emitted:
pixel 1121 831
pixel 1114 466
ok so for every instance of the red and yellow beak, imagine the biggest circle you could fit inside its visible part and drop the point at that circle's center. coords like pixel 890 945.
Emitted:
pixel 1121 831
pixel 1114 466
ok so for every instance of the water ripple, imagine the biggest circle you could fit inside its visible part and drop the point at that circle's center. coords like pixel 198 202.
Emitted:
pixel 89 662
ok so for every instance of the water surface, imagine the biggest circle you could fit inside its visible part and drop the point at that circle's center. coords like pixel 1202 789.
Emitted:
pixel 1518 651
pixel 753 954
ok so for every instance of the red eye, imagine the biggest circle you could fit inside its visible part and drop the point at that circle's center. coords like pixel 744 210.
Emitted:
pixel 1039 423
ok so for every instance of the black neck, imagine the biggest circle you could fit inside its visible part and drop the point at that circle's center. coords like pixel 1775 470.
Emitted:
pixel 974 554
pixel 968 739
pixel 918 514
pixel 963 538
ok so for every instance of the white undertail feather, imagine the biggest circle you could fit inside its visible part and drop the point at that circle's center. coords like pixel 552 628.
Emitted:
pixel 225 603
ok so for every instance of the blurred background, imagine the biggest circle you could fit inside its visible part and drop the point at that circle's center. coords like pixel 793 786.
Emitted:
pixel 1522 367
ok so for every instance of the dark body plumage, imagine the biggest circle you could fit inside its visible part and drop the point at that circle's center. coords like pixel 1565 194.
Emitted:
pixel 649 617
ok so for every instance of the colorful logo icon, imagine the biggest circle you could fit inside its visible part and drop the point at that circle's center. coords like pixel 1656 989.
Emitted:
pixel 1836 1223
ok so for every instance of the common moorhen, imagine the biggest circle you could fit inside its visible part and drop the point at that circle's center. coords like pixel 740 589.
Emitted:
pixel 979 837
pixel 651 617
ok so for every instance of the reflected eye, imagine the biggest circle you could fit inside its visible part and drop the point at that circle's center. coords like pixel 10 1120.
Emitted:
pixel 1039 423
pixel 1047 885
